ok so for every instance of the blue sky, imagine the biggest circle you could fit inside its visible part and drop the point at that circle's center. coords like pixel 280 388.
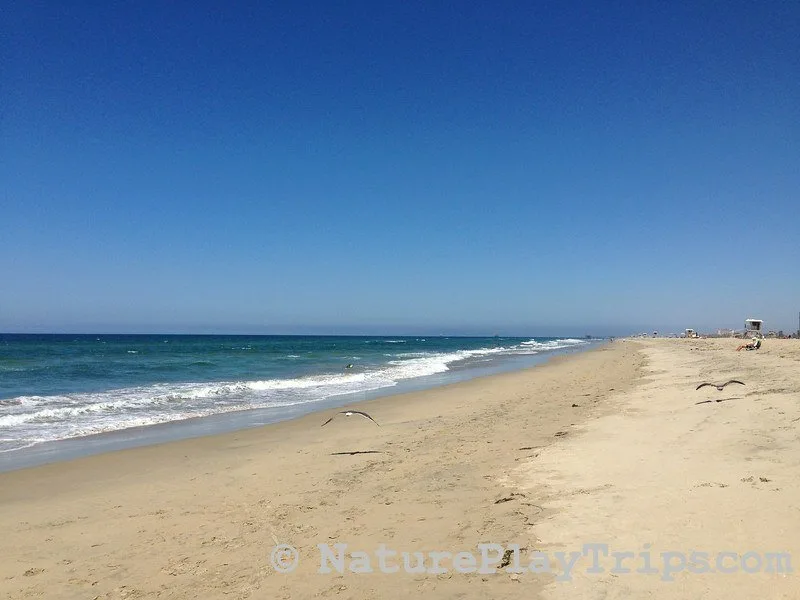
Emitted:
pixel 482 167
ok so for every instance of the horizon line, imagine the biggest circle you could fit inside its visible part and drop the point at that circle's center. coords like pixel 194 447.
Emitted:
pixel 155 333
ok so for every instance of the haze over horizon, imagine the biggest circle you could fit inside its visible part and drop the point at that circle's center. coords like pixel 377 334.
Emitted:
pixel 508 168
pixel 554 331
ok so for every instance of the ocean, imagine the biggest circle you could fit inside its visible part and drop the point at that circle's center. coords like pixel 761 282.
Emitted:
pixel 56 389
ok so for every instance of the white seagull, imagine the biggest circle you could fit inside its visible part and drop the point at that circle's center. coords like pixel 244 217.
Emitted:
pixel 350 413
pixel 719 386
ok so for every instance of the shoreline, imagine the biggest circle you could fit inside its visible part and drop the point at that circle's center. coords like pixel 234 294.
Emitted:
pixel 57 451
pixel 197 517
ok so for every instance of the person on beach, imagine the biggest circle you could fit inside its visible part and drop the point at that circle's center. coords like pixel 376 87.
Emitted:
pixel 754 345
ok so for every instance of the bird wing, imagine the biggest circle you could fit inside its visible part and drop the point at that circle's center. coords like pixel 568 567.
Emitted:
pixel 732 381
pixel 328 421
pixel 702 385
pixel 363 414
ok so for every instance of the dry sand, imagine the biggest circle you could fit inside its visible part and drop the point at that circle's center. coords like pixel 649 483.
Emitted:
pixel 606 446
pixel 669 469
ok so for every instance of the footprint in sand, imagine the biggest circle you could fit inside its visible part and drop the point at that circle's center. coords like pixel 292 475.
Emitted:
pixel 752 479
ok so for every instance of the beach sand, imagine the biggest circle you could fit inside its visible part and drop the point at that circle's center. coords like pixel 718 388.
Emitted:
pixel 668 471
pixel 605 446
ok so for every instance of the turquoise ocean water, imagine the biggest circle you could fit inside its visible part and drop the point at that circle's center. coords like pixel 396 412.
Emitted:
pixel 67 387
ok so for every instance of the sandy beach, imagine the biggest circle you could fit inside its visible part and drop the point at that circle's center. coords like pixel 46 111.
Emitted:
pixel 678 470
pixel 608 446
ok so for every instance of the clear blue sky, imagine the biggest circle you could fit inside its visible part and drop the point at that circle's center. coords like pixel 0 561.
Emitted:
pixel 475 167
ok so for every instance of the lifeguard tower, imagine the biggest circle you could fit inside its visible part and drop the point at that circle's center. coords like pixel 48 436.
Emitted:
pixel 753 327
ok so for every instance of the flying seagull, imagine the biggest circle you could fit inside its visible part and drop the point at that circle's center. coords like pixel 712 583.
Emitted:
pixel 719 386
pixel 350 413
